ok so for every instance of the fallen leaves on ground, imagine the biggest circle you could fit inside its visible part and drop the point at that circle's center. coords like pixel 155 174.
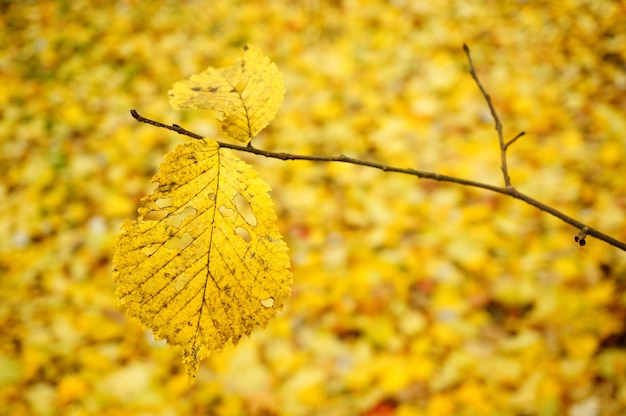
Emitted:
pixel 494 307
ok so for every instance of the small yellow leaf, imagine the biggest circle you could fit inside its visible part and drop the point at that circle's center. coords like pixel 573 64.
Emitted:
pixel 211 265
pixel 247 94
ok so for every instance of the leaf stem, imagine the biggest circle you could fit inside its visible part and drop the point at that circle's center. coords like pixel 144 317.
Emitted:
pixel 508 190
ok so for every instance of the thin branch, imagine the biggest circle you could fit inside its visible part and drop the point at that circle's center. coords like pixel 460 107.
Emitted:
pixel 510 142
pixel 494 114
pixel 510 191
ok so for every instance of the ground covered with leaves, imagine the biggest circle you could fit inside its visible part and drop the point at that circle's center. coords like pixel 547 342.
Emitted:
pixel 410 297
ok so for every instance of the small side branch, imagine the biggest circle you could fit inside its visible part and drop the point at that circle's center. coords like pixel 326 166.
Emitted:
pixel 510 142
pixel 510 191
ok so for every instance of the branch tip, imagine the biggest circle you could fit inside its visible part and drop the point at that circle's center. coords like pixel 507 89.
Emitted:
pixel 513 140
pixel 580 238
pixel 173 127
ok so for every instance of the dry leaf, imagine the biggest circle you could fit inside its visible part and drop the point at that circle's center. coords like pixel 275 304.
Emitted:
pixel 204 263
pixel 247 94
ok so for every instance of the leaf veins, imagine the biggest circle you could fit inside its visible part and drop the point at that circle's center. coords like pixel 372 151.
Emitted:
pixel 204 263
pixel 247 94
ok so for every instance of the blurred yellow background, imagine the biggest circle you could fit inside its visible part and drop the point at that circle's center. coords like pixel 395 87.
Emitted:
pixel 410 297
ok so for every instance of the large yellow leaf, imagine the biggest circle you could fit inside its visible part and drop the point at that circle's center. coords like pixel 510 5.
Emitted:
pixel 204 262
pixel 247 94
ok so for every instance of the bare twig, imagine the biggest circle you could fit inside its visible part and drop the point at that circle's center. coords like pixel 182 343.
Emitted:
pixel 510 142
pixel 494 114
pixel 510 191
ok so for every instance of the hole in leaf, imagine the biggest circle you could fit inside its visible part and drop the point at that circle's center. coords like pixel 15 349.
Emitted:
pixel 212 196
pixel 163 202
pixel 155 215
pixel 180 243
pixel 225 211
pixel 176 220
pixel 243 233
pixel 151 249
pixel 268 303
pixel 244 209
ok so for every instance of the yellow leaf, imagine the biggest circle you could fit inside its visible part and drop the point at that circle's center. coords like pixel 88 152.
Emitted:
pixel 247 94
pixel 204 262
